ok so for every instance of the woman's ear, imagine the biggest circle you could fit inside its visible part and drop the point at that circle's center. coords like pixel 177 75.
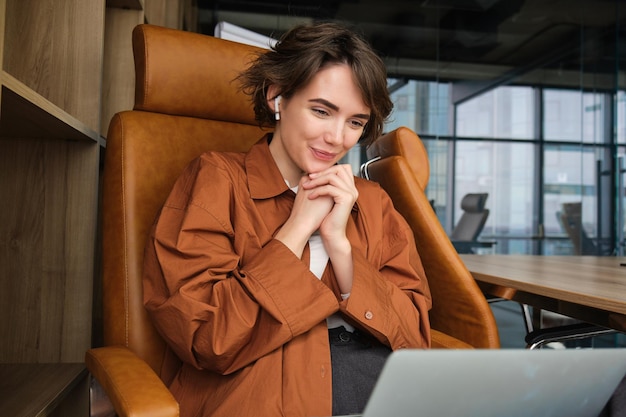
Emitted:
pixel 272 95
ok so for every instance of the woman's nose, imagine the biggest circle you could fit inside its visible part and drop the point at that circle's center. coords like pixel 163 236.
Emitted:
pixel 334 133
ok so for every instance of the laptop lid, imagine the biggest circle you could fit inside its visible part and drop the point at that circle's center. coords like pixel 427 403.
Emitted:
pixel 505 382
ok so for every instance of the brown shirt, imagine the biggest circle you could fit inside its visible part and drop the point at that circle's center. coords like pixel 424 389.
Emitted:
pixel 246 315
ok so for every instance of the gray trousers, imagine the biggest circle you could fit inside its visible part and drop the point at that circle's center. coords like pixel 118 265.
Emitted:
pixel 357 360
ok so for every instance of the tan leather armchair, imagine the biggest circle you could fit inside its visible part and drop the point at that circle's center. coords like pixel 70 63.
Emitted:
pixel 185 103
pixel 399 162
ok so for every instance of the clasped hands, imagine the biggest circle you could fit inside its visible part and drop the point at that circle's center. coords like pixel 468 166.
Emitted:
pixel 323 203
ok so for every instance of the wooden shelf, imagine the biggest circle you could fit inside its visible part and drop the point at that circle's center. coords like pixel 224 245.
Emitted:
pixel 125 4
pixel 25 114
pixel 40 389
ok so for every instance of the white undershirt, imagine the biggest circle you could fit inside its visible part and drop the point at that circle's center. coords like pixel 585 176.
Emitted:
pixel 317 265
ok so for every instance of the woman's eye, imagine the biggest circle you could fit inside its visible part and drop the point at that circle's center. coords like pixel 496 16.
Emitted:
pixel 320 112
pixel 357 124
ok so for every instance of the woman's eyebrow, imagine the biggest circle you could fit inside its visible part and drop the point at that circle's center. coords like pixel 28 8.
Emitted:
pixel 334 107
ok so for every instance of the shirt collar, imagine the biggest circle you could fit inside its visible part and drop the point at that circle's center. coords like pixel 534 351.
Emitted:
pixel 264 177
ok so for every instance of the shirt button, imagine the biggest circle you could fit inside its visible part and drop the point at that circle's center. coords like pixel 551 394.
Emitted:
pixel 369 315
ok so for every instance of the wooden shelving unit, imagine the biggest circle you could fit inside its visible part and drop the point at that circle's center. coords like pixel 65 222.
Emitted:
pixel 49 158
pixel 66 67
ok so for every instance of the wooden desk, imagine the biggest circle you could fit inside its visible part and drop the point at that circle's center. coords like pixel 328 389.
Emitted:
pixel 589 288
pixel 39 389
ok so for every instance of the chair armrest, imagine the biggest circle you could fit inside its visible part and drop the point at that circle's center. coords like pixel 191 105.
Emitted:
pixel 540 337
pixel 133 388
pixel 441 340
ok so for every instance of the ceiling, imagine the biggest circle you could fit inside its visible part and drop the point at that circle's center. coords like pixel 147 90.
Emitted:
pixel 560 42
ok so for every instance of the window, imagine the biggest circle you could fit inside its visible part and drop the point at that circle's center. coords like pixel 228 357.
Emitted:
pixel 573 116
pixel 422 106
pixel 505 112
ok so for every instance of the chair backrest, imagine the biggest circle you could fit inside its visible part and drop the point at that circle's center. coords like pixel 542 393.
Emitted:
pixel 459 306
pixel 473 219
pixel 185 103
pixel 571 220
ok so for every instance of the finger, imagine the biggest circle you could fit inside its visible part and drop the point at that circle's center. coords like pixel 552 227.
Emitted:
pixel 340 176
pixel 338 190
pixel 339 195
pixel 344 170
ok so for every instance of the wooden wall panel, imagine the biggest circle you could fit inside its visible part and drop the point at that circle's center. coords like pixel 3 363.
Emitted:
pixel 55 47
pixel 46 249
pixel 118 88
pixel 164 13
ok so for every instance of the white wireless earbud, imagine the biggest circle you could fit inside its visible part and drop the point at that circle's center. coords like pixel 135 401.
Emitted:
pixel 276 110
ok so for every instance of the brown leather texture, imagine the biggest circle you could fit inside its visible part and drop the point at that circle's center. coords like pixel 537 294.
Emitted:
pixel 146 151
pixel 189 74
pixel 403 143
pixel 459 308
pixel 145 154
pixel 441 340
pixel 132 386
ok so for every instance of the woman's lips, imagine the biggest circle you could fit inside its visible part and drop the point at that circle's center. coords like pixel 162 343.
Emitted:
pixel 325 156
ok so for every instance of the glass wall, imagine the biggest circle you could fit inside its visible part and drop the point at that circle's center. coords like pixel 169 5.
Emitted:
pixel 547 142
pixel 502 113
pixel 498 164
pixel 424 107
pixel 574 116
pixel 543 155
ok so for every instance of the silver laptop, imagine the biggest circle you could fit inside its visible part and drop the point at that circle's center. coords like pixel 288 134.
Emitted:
pixel 505 382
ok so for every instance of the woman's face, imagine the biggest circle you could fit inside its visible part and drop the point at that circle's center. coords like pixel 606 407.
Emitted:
pixel 319 124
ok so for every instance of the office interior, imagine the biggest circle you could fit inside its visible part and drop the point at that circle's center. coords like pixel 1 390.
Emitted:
pixel 522 100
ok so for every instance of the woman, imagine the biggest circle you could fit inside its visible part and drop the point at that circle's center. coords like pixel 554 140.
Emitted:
pixel 281 280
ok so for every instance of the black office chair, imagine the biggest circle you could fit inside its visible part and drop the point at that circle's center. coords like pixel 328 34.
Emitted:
pixel 570 219
pixel 554 327
pixel 464 237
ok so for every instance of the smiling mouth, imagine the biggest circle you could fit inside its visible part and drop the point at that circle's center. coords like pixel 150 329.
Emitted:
pixel 325 156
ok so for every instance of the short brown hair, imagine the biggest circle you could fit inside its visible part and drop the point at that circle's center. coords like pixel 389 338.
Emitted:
pixel 300 54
